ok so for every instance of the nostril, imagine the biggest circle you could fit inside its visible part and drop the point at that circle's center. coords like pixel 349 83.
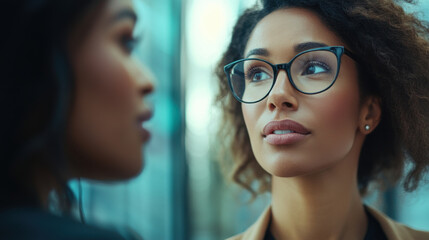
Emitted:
pixel 273 106
pixel 146 87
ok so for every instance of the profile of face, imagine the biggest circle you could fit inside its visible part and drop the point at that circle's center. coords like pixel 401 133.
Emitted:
pixel 105 133
pixel 292 133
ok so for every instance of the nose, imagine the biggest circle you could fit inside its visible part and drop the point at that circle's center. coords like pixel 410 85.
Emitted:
pixel 282 95
pixel 145 80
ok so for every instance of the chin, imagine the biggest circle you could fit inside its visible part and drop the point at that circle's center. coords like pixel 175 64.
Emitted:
pixel 128 165
pixel 130 170
pixel 286 168
pixel 120 169
pixel 286 172
pixel 119 174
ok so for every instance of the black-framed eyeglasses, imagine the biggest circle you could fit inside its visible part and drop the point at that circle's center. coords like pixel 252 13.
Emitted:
pixel 310 72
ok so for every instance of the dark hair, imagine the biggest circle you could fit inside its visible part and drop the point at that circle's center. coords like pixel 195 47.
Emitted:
pixel 394 47
pixel 36 94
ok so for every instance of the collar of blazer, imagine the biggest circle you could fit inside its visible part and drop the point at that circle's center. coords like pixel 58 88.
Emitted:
pixel 392 229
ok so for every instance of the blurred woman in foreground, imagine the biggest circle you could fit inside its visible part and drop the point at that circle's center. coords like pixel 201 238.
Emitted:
pixel 72 107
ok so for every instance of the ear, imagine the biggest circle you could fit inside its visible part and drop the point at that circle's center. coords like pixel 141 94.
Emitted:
pixel 370 114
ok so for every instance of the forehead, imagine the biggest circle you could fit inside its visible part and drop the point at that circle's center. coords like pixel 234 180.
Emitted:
pixel 285 28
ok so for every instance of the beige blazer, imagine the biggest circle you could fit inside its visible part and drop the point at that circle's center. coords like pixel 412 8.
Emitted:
pixel 392 229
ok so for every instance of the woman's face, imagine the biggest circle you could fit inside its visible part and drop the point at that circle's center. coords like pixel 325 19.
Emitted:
pixel 329 120
pixel 105 132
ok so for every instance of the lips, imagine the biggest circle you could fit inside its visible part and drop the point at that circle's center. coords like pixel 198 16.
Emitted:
pixel 143 117
pixel 284 132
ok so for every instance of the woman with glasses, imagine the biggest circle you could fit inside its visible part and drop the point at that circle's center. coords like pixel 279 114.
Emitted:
pixel 320 99
pixel 72 102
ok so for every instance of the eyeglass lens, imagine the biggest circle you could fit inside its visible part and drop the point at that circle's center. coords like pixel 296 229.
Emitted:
pixel 310 72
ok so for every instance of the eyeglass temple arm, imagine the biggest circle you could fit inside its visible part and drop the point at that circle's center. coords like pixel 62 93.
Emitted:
pixel 352 55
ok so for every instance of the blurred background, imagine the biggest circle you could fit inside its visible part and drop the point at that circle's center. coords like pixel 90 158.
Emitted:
pixel 181 193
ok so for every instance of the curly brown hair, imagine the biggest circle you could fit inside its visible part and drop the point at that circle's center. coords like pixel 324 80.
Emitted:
pixel 394 46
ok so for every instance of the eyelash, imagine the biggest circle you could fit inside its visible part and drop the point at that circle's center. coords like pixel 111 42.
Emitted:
pixel 129 43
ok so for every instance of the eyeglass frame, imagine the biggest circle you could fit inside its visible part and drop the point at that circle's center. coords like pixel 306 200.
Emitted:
pixel 337 50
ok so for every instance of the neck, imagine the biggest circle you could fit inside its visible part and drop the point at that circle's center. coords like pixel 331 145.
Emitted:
pixel 325 205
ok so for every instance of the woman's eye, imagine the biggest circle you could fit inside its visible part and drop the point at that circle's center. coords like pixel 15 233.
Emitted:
pixel 129 43
pixel 315 68
pixel 258 75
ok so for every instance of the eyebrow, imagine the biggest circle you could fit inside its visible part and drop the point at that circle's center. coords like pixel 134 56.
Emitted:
pixel 124 14
pixel 297 48
pixel 258 51
pixel 308 45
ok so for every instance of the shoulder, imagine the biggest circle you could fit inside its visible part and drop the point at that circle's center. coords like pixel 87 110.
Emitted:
pixel 236 237
pixel 258 229
pixel 38 224
pixel 395 230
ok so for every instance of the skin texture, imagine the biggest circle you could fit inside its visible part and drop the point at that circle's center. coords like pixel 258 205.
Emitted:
pixel 309 175
pixel 105 134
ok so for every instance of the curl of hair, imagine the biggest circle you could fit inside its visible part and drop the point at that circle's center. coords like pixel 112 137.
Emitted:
pixel 394 50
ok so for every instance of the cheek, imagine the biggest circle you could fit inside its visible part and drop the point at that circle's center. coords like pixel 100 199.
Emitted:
pixel 338 107
pixel 335 120
pixel 106 78
pixel 103 120
pixel 337 110
pixel 106 92
pixel 250 114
